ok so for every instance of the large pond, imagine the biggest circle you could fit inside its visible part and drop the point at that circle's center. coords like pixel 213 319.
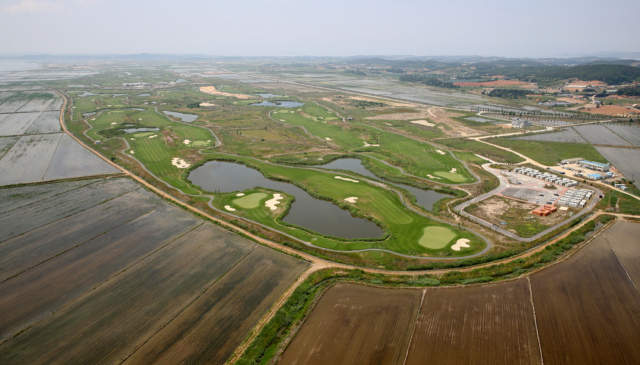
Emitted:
pixel 183 117
pixel 136 130
pixel 283 104
pixel 425 198
pixel 306 211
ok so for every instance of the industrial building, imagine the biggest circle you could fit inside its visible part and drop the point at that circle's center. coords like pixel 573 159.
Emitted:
pixel 546 176
pixel 575 198
pixel 572 160
pixel 520 123
pixel 544 210
pixel 596 166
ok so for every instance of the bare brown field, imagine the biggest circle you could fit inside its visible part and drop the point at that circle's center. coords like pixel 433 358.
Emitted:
pixel 36 293
pixel 356 324
pixel 587 309
pixel 609 110
pixel 106 325
pixel 212 90
pixel 41 244
pixel 623 239
pixel 209 330
pixel 476 325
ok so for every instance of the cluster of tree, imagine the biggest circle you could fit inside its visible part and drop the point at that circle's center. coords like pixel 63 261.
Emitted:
pixel 366 103
pixel 356 72
pixel 395 70
pixel 609 73
pixel 194 105
pixel 419 64
pixel 629 90
pixel 428 80
pixel 509 93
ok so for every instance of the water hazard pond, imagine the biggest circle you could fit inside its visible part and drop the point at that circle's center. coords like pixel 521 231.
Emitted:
pixel 306 211
pixel 188 118
pixel 425 198
pixel 282 104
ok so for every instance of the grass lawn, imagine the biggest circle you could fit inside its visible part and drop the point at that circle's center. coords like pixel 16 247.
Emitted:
pixel 405 227
pixel 550 153
pixel 436 237
pixel 483 149
pixel 250 201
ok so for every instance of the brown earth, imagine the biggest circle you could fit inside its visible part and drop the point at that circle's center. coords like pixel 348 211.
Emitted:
pixel 356 324
pixel 491 324
pixel 587 309
pixel 212 90
pixel 608 110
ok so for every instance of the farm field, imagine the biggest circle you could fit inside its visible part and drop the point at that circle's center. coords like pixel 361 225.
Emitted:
pixel 104 266
pixel 356 324
pixel 28 159
pixel 35 105
pixel 622 238
pixel 599 134
pixel 565 136
pixel 631 133
pixel 476 325
pixel 12 106
pixel 6 143
pixel 625 160
pixel 73 160
pixel 587 309
pixel 18 123
pixel 47 122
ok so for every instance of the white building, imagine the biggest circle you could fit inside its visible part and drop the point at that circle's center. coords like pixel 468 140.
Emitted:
pixel 520 123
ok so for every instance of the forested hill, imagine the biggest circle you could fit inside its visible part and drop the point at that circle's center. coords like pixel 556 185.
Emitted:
pixel 611 74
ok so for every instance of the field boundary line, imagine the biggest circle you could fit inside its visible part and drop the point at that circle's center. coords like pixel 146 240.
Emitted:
pixel 415 325
pixel 535 319
pixel 620 262
pixel 82 243
pixel 89 291
pixel 52 156
pixel 190 303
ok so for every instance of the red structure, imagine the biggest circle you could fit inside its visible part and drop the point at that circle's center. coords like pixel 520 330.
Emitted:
pixel 544 210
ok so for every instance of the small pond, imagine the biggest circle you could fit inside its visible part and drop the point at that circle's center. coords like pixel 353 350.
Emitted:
pixel 182 116
pixel 283 104
pixel 116 95
pixel 136 130
pixel 76 86
pixel 86 93
pixel 89 114
pixel 181 80
pixel 425 198
pixel 267 96
pixel 144 94
pixel 306 211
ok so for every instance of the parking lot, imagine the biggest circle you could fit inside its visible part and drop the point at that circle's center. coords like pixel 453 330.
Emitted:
pixel 535 196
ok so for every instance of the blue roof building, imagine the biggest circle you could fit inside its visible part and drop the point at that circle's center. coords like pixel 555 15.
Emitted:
pixel 597 166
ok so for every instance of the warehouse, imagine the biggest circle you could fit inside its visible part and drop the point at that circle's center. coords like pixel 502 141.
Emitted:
pixel 596 166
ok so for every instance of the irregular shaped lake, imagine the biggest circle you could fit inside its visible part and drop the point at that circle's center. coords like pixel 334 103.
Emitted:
pixel 306 211
pixel 425 198
pixel 183 117
pixel 283 104
pixel 136 130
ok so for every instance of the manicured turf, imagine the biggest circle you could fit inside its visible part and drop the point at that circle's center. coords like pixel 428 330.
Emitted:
pixel 436 237
pixel 483 149
pixel 550 153
pixel 405 226
pixel 250 201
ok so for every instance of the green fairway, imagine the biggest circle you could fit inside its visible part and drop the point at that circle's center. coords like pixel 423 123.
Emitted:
pixel 250 201
pixel 453 176
pixel 199 143
pixel 550 153
pixel 435 237
pixel 404 227
pixel 145 134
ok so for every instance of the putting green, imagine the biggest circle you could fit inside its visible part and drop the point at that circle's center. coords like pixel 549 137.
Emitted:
pixel 250 201
pixel 199 143
pixel 140 135
pixel 451 176
pixel 435 237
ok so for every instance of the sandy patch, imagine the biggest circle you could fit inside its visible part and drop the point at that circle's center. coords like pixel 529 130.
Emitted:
pixel 460 244
pixel 327 138
pixel 240 194
pixel 371 145
pixel 114 123
pixel 208 141
pixel 609 110
pixel 399 116
pixel 320 158
pixel 389 124
pixel 453 170
pixel 133 139
pixel 228 207
pixel 207 104
pixel 441 152
pixel 186 141
pixel 154 136
pixel 212 90
pixel 271 203
pixel 572 100
pixel 423 122
pixel 345 179
pixel 132 152
pixel 179 163
pixel 351 199
pixel 432 177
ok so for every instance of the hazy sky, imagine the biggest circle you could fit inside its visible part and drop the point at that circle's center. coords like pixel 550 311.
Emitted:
pixel 511 28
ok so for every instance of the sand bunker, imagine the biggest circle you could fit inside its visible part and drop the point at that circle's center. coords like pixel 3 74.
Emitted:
pixel 240 194
pixel 345 179
pixel 228 207
pixel 433 177
pixel 453 170
pixel 186 141
pixel 271 203
pixel 327 138
pixel 461 243
pixel 212 90
pixel 133 139
pixel 154 136
pixel 207 104
pixel 441 152
pixel 179 163
pixel 351 199
pixel 114 123
pixel 371 145
pixel 423 122
pixel 132 152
